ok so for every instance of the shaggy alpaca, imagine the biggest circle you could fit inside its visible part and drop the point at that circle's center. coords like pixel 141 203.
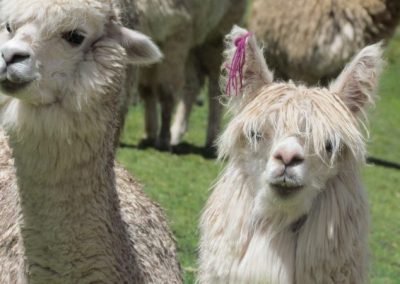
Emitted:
pixel 290 207
pixel 190 33
pixel 311 40
pixel 67 214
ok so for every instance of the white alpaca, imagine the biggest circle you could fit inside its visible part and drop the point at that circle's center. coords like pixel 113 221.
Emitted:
pixel 290 206
pixel 311 40
pixel 67 214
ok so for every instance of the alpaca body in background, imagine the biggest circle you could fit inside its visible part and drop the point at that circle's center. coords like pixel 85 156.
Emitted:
pixel 190 34
pixel 311 41
pixel 68 215
pixel 290 206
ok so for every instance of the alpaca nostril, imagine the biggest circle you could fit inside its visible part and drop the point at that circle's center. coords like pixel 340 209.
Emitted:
pixel 18 57
pixel 296 160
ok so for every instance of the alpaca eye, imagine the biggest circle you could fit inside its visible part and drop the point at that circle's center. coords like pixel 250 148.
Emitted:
pixel 328 147
pixel 255 135
pixel 73 37
pixel 8 27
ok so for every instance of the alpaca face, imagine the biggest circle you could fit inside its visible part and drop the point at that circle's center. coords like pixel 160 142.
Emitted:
pixel 288 146
pixel 57 51
pixel 288 140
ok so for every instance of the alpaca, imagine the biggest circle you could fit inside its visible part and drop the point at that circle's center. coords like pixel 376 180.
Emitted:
pixel 311 41
pixel 190 34
pixel 290 206
pixel 68 215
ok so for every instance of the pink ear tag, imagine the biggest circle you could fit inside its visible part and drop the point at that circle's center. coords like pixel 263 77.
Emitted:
pixel 235 70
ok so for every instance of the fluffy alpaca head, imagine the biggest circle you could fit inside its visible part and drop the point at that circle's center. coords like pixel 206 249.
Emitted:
pixel 289 140
pixel 69 52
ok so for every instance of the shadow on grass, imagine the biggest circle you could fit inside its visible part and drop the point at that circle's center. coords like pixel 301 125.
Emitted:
pixel 180 150
pixel 210 153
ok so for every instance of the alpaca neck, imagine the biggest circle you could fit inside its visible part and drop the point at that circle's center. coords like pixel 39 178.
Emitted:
pixel 68 197
pixel 336 230
pixel 250 246
pixel 265 250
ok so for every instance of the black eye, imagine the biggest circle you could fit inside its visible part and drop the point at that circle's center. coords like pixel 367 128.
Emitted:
pixel 328 147
pixel 255 135
pixel 73 37
pixel 8 27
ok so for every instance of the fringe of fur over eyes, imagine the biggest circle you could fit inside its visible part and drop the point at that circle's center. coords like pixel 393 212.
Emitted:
pixel 325 125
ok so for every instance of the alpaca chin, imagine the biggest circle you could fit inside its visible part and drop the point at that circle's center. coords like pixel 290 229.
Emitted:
pixel 283 211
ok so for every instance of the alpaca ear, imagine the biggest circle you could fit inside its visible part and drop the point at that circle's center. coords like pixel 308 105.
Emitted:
pixel 140 48
pixel 245 69
pixel 358 83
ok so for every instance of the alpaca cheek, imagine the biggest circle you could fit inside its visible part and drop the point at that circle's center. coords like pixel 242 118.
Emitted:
pixel 252 163
pixel 319 174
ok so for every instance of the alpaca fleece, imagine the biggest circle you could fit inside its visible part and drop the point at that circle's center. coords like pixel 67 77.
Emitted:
pixel 311 41
pixel 290 206
pixel 68 214
pixel 190 34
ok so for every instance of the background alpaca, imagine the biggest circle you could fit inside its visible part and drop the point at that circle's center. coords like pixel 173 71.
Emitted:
pixel 190 34
pixel 67 214
pixel 290 207
pixel 312 40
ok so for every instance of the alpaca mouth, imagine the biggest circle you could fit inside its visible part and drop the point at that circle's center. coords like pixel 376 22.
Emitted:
pixel 12 87
pixel 285 189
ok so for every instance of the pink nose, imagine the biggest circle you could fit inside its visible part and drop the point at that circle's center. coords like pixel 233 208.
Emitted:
pixel 289 157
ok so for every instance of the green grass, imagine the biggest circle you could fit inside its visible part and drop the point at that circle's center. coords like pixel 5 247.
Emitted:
pixel 180 183
pixel 383 185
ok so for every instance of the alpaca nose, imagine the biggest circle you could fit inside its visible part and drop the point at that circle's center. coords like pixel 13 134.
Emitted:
pixel 289 157
pixel 14 54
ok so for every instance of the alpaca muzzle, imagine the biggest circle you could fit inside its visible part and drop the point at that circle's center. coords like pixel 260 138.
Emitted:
pixel 286 187
pixel 17 68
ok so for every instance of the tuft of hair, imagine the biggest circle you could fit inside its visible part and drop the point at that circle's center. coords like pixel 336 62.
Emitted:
pixel 255 71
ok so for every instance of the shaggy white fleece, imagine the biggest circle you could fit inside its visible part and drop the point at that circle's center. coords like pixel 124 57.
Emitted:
pixel 290 206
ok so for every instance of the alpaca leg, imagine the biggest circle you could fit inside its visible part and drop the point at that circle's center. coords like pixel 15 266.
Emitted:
pixel 193 83
pixel 214 113
pixel 167 105
pixel 150 115
pixel 181 120
pixel 211 58
pixel 171 77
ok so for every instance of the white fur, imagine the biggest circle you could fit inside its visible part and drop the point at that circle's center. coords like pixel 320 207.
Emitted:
pixel 290 206
pixel 67 214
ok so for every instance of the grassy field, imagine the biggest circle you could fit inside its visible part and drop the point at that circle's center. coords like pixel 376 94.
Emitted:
pixel 180 182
